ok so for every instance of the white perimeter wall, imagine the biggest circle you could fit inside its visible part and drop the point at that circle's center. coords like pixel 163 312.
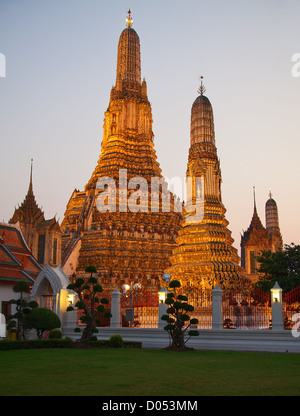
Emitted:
pixel 224 339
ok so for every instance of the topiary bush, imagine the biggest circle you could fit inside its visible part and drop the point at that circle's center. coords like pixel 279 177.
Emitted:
pixel 116 341
pixel 177 318
pixel 55 334
pixel 41 319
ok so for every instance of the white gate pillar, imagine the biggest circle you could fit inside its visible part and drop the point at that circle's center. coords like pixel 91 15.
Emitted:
pixel 217 313
pixel 162 307
pixel 115 320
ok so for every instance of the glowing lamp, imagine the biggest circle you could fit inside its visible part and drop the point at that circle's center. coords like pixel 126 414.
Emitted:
pixel 125 288
pixel 276 294
pixel 71 298
pixel 166 277
pixel 162 295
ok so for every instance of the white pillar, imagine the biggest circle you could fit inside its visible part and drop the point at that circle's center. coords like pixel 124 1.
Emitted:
pixel 217 314
pixel 2 326
pixel 277 312
pixel 162 310
pixel 115 320
pixel 162 307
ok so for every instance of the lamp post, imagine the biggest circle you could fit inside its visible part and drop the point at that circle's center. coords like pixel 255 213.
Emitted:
pixel 130 312
pixel 166 277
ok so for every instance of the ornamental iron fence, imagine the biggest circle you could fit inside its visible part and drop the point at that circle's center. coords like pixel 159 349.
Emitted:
pixel 139 308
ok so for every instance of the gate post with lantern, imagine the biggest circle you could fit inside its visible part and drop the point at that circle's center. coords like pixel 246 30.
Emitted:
pixel 277 311
pixel 162 306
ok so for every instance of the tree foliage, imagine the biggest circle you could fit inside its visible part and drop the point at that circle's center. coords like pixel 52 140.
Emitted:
pixel 282 266
pixel 178 318
pixel 89 302
pixel 41 319
pixel 23 307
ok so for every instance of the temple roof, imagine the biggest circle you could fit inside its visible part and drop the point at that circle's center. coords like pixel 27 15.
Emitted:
pixel 256 232
pixel 29 208
pixel 255 222
pixel 16 259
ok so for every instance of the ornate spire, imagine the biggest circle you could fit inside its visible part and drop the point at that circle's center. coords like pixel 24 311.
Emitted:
pixel 29 204
pixel 127 152
pixel 30 190
pixel 129 20
pixel 255 222
pixel 272 219
pixel 205 254
pixel 29 208
pixel 254 199
pixel 129 56
pixel 202 119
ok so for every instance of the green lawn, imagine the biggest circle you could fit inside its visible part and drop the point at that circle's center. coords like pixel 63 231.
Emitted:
pixel 138 372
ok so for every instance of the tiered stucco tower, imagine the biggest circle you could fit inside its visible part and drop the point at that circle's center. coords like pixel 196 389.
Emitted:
pixel 125 242
pixel 204 252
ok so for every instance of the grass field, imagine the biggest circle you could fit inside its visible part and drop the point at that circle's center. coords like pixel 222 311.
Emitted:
pixel 139 372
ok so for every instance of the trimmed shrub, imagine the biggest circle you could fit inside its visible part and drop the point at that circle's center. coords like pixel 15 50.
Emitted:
pixel 35 343
pixel 55 334
pixel 106 344
pixel 116 341
pixel 41 319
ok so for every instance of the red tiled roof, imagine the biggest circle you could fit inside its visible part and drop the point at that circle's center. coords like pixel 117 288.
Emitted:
pixel 16 260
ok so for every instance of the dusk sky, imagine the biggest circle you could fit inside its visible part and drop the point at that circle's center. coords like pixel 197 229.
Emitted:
pixel 61 60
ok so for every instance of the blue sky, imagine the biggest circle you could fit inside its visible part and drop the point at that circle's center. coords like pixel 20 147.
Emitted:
pixel 61 65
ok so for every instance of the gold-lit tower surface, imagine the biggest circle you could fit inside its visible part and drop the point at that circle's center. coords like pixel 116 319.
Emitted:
pixel 124 244
pixel 205 256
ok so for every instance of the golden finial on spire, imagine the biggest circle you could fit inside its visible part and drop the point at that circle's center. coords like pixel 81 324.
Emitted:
pixel 129 20
pixel 201 89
